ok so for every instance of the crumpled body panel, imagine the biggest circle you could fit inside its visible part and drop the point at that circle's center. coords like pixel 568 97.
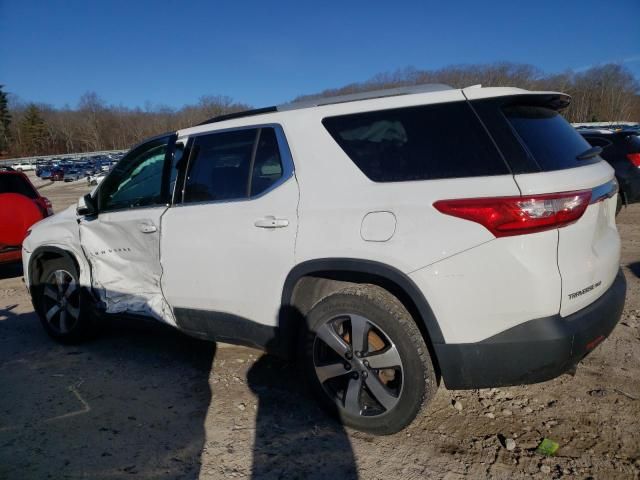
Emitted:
pixel 125 266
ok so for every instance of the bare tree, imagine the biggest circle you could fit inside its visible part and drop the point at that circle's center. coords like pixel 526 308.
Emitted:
pixel 606 92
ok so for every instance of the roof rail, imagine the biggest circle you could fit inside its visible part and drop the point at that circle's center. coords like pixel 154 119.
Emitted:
pixel 354 97
pixel 244 113
pixel 320 101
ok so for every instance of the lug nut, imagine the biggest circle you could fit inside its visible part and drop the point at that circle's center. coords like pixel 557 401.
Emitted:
pixel 365 374
pixel 348 355
pixel 366 363
pixel 358 354
pixel 355 375
pixel 347 366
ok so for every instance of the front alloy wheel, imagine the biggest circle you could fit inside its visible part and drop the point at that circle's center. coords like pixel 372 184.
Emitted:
pixel 63 307
pixel 61 301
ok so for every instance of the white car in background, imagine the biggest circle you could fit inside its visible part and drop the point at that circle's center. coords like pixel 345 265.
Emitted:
pixel 97 178
pixel 23 166
pixel 384 240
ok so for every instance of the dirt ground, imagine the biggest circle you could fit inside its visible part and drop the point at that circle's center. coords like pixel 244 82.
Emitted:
pixel 143 401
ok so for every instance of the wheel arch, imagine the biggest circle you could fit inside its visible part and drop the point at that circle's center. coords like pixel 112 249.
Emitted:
pixel 49 252
pixel 350 270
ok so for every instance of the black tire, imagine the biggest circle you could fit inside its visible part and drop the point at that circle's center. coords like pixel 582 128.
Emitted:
pixel 77 324
pixel 407 388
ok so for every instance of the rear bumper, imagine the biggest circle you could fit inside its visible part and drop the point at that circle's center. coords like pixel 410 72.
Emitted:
pixel 533 351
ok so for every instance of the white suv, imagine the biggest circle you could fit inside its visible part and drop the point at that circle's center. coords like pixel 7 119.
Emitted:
pixel 389 239
pixel 23 166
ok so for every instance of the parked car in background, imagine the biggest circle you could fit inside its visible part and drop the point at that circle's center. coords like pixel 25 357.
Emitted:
pixel 97 178
pixel 23 166
pixel 39 168
pixel 73 174
pixel 20 207
pixel 463 235
pixel 621 148
pixel 86 168
pixel 57 174
pixel 46 172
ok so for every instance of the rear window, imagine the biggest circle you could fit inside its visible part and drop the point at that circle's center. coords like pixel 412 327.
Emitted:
pixel 418 143
pixel 233 165
pixel 552 142
pixel 11 183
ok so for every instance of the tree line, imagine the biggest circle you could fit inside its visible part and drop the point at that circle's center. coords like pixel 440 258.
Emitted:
pixel 602 93
pixel 39 129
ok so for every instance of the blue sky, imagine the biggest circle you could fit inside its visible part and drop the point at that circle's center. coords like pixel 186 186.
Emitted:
pixel 263 53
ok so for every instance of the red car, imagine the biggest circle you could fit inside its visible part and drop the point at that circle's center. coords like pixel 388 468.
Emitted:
pixel 20 207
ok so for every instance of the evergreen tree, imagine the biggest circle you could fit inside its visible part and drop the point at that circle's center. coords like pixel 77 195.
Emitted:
pixel 33 130
pixel 5 122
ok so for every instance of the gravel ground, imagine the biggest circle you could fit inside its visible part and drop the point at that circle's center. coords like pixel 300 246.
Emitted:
pixel 143 401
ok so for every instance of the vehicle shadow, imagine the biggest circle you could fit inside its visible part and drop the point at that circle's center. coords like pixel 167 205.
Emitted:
pixel 10 270
pixel 294 438
pixel 131 402
pixel 635 268
pixel 134 401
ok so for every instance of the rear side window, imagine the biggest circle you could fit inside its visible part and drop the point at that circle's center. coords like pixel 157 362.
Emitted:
pixel 233 165
pixel 552 142
pixel 267 168
pixel 11 183
pixel 220 166
pixel 418 143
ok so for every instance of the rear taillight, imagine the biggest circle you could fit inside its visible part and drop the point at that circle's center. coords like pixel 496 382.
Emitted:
pixel 634 158
pixel 45 206
pixel 506 216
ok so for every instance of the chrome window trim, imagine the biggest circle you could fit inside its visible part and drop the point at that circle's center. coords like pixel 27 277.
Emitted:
pixel 288 168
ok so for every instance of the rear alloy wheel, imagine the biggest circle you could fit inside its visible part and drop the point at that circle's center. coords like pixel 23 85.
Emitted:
pixel 358 365
pixel 367 361
pixel 60 302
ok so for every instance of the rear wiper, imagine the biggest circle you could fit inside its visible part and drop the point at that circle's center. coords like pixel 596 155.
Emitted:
pixel 590 153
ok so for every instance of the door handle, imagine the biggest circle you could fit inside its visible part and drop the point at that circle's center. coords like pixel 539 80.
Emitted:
pixel 147 227
pixel 271 222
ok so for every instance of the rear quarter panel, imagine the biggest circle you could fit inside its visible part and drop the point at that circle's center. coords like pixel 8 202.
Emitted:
pixel 335 197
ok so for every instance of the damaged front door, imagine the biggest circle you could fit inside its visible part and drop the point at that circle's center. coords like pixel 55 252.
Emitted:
pixel 122 242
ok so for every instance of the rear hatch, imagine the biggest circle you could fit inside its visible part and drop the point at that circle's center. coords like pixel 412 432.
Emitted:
pixel 548 156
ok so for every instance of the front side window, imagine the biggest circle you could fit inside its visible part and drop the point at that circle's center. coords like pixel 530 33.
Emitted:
pixel 232 165
pixel 136 181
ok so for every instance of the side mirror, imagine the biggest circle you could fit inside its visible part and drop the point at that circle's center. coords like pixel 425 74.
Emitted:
pixel 87 206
